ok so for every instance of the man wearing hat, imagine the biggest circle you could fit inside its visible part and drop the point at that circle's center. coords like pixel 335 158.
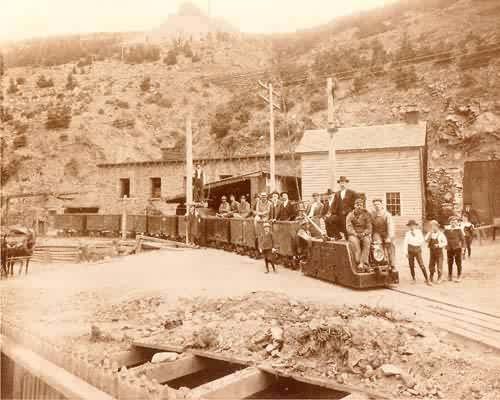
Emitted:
pixel 266 246
pixel 413 242
pixel 224 207
pixel 329 215
pixel 383 230
pixel 345 198
pixel 315 209
pixel 359 233
pixel 275 203
pixel 456 242
pixel 286 210
pixel 262 208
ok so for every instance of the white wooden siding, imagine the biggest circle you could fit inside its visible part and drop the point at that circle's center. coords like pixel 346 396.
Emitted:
pixel 374 173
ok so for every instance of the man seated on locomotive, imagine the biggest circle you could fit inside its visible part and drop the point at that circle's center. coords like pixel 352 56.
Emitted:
pixel 383 230
pixel 233 203
pixel 244 210
pixel 275 203
pixel 262 208
pixel 315 210
pixel 224 208
pixel 286 210
pixel 359 231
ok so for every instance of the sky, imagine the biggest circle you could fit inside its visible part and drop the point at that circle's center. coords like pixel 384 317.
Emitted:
pixel 21 19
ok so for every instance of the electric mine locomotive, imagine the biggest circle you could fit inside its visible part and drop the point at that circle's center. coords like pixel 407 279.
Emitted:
pixel 331 261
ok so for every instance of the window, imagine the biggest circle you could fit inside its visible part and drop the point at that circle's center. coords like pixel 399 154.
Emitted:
pixel 155 188
pixel 393 201
pixel 124 187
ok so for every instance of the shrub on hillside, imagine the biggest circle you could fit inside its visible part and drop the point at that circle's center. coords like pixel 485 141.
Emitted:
pixel 221 123
pixel 58 117
pixel 141 53
pixel 317 104
pixel 43 82
pixel 71 82
pixel 467 80
pixel 171 58
pixel 12 87
pixel 20 80
pixel 186 50
pixel 196 58
pixel 19 141
pixel 359 84
pixel 405 78
pixel 84 62
pixel 146 84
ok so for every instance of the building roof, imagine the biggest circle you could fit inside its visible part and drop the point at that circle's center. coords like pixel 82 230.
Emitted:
pixel 361 138
pixel 227 181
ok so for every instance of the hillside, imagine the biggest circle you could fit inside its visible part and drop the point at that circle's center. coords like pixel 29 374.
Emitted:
pixel 440 56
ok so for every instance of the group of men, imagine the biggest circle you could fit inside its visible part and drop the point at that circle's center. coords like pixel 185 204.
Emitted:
pixel 346 217
pixel 273 207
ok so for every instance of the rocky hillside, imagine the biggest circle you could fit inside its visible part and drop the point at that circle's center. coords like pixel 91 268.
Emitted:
pixel 120 103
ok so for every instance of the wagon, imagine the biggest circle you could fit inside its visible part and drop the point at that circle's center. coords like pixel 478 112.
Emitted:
pixel 285 239
pixel 236 226
pixel 154 225
pixel 136 223
pixel 181 227
pixel 223 233
pixel 169 226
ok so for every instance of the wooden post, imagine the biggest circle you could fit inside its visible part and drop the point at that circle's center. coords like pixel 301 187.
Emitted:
pixel 272 167
pixel 331 131
pixel 124 218
pixel 189 171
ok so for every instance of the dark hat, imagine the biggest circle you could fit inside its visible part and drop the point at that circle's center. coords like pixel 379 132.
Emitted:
pixel 453 218
pixel 330 191
pixel 275 192
pixel 359 200
pixel 343 179
pixel 412 222
pixel 282 193
pixel 377 199
pixel 315 194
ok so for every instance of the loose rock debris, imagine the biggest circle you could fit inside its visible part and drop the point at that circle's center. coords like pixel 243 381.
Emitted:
pixel 373 348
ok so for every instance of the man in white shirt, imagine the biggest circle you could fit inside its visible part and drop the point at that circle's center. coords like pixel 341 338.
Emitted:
pixel 198 182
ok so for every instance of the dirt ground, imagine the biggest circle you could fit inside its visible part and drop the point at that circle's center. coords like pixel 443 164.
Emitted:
pixel 63 301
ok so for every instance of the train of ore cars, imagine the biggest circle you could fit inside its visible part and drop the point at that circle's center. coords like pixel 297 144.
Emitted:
pixel 326 260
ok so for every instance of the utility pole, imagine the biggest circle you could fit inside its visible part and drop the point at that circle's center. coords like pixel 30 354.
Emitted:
pixel 189 170
pixel 272 106
pixel 331 131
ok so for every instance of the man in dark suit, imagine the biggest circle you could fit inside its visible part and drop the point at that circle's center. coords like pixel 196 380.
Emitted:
pixel 345 198
pixel 275 204
pixel 330 216
pixel 286 210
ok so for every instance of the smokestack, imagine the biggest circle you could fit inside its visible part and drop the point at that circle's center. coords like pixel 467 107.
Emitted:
pixel 411 114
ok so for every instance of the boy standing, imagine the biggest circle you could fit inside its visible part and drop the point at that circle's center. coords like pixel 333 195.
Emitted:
pixel 468 230
pixel 436 241
pixel 414 240
pixel 267 246
pixel 456 241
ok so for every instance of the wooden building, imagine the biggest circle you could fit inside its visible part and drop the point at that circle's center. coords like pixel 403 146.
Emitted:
pixel 383 161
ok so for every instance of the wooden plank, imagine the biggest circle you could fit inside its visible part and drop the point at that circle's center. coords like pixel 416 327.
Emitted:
pixel 129 358
pixel 239 385
pixel 168 371
pixel 62 381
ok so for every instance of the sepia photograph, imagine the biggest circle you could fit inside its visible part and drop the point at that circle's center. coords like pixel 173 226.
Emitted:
pixel 250 199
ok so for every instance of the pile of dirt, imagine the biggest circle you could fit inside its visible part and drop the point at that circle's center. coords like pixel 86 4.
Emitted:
pixel 374 348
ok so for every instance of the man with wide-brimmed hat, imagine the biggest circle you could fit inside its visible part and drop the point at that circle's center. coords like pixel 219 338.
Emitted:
pixel 275 204
pixel 359 231
pixel 286 210
pixel 345 198
pixel 330 216
pixel 262 208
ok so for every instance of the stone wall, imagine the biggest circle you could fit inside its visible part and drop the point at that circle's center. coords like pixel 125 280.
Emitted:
pixel 172 180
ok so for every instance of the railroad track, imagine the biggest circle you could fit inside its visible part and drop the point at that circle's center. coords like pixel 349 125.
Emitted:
pixel 476 325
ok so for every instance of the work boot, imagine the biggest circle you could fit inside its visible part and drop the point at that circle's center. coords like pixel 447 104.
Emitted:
pixel 450 278
pixel 428 282
pixel 413 281
pixel 440 280
pixel 459 279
